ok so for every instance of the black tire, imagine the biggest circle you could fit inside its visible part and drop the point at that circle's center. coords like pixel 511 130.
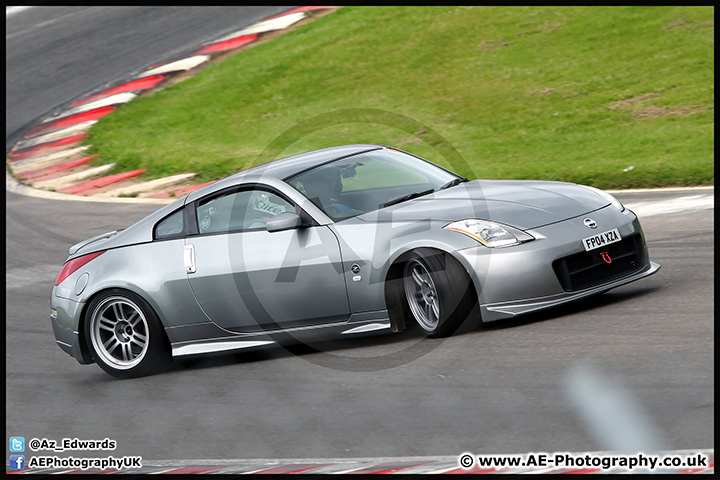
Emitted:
pixel 439 292
pixel 125 336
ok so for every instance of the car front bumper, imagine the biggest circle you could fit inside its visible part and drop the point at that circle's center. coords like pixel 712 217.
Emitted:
pixel 502 310
pixel 520 279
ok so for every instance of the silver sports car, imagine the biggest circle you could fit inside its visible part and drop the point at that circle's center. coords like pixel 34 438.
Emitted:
pixel 342 241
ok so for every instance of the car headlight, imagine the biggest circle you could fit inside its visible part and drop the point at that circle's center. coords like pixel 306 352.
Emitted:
pixel 490 234
pixel 614 201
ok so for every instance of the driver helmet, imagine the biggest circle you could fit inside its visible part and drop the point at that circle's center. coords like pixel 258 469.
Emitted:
pixel 323 183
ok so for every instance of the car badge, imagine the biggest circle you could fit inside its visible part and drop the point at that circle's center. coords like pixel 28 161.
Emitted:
pixel 590 223
pixel 606 257
pixel 355 268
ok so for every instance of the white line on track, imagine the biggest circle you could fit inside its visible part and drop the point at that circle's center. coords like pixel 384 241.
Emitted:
pixel 675 205
pixel 662 189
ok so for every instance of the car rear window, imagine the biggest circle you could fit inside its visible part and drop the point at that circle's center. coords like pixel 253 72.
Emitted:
pixel 171 226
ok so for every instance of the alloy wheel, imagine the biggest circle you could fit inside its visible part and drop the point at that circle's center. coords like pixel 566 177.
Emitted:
pixel 119 332
pixel 422 296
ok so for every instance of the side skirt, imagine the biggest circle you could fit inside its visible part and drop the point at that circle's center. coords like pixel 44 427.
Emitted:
pixel 208 338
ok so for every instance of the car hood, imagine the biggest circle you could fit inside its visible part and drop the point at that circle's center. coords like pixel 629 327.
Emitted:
pixel 523 204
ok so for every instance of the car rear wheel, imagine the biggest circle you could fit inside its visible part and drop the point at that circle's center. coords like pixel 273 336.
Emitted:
pixel 438 291
pixel 125 336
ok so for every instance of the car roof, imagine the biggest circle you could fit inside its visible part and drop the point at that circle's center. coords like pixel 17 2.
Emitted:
pixel 141 231
pixel 284 168
pixel 295 164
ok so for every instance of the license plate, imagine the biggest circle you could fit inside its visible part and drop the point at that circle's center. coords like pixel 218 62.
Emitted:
pixel 601 239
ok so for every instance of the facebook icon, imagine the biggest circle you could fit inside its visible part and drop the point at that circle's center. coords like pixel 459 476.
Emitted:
pixel 17 462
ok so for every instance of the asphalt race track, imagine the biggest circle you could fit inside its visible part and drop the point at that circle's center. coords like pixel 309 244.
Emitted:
pixel 498 389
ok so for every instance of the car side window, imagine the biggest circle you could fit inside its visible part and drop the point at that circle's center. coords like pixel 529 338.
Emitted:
pixel 239 211
pixel 171 226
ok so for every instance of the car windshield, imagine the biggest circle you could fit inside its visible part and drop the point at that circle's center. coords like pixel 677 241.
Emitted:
pixel 363 183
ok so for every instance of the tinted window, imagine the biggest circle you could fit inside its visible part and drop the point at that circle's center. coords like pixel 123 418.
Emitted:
pixel 244 210
pixel 366 182
pixel 170 226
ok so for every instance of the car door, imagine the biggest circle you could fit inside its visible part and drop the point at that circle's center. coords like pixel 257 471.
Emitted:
pixel 247 279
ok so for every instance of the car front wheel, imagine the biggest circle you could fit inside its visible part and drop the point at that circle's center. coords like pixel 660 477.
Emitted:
pixel 125 336
pixel 438 291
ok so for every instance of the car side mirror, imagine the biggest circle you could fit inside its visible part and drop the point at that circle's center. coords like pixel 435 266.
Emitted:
pixel 284 221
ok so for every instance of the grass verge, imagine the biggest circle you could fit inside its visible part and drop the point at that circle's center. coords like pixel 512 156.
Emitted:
pixel 577 94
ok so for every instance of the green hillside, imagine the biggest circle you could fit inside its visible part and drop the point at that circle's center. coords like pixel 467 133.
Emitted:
pixel 576 94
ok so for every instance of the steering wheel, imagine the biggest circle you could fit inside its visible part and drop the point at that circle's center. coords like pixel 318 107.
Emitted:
pixel 335 211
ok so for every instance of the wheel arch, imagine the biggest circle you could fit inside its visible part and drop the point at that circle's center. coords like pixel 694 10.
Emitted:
pixel 398 309
pixel 85 350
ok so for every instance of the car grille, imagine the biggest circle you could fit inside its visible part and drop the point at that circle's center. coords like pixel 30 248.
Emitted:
pixel 588 269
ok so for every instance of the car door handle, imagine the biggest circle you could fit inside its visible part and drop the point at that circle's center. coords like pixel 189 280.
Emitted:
pixel 189 258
